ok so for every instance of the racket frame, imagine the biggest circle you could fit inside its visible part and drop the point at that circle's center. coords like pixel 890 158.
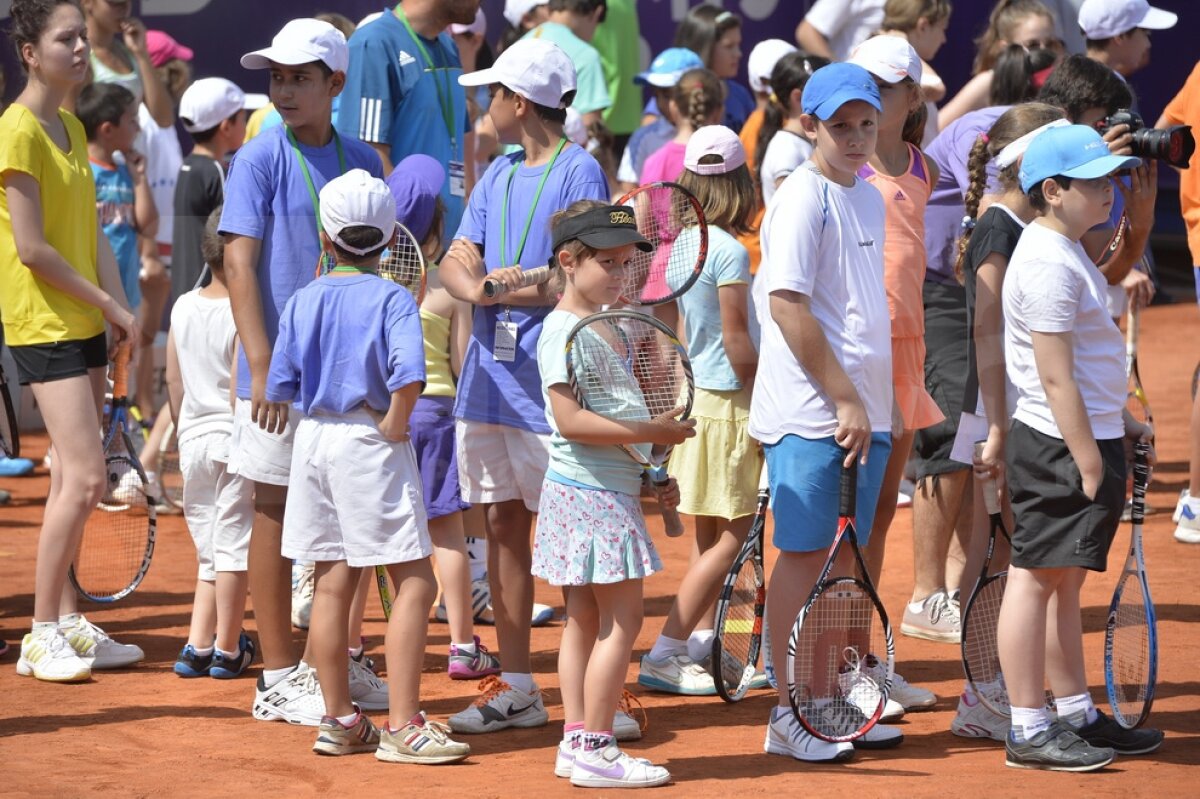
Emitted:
pixel 385 591
pixel 417 290
pixel 10 445
pixel 629 199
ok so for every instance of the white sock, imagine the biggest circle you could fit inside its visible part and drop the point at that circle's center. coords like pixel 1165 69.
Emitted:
pixel 465 649
pixel 273 676
pixel 355 651
pixel 68 619
pixel 699 644
pixel 522 682
pixel 203 652
pixel 477 557
pixel 346 721
pixel 1078 711
pixel 43 625
pixel 919 605
pixel 664 647
pixel 1028 722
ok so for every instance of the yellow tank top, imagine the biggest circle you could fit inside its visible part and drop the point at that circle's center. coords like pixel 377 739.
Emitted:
pixel 439 380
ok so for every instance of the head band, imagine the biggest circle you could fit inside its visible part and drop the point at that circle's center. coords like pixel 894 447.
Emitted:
pixel 1014 150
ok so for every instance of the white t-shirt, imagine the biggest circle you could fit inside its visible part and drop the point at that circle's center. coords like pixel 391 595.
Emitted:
pixel 846 23
pixel 1051 286
pixel 785 152
pixel 204 342
pixel 164 157
pixel 824 241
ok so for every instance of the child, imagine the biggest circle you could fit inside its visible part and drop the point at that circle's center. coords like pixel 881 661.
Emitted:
pixel 218 506
pixel 1066 454
pixel 827 398
pixel 697 100
pixel 716 35
pixel 663 75
pixel 718 469
pixel 922 23
pixel 571 24
pixel 61 285
pixel 782 145
pixel 271 221
pixel 502 434
pixel 593 245
pixel 349 356
pixel 833 28
pixel 1117 32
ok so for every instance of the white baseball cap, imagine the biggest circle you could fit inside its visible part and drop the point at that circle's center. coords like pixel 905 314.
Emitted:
pixel 1104 19
pixel 356 199
pixel 889 58
pixel 303 41
pixel 714 140
pixel 533 68
pixel 208 102
pixel 515 10
pixel 763 58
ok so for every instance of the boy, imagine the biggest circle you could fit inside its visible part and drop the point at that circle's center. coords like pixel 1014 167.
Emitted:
pixel 1117 32
pixel 571 25
pixel 502 434
pixel 827 397
pixel 213 112
pixel 664 73
pixel 272 249
pixel 1066 453
pixel 351 357
pixel 218 506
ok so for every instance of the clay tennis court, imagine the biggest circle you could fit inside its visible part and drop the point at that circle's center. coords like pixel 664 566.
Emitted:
pixel 146 732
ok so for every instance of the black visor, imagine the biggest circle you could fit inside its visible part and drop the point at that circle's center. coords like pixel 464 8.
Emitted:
pixel 602 229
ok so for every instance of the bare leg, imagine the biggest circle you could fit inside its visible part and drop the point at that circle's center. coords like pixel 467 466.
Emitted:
pixel 620 608
pixel 204 615
pixel 231 609
pixel 271 579
pixel 1021 633
pixel 154 442
pixel 885 508
pixel 155 292
pixel 407 631
pixel 510 558
pixel 937 507
pixel 575 649
pixel 358 606
pixel 454 571
pixel 1194 472
pixel 1064 636
pixel 698 591
pixel 335 582
pixel 791 582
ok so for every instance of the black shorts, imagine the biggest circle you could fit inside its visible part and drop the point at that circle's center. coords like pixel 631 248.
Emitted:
pixel 946 363
pixel 1057 525
pixel 43 363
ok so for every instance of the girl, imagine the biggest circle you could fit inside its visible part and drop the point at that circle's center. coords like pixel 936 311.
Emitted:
pixel 591 537
pixel 782 145
pixel 1019 74
pixel 923 23
pixel 119 55
pixel 697 100
pixel 716 35
pixel 1025 22
pixel 61 285
pixel 719 468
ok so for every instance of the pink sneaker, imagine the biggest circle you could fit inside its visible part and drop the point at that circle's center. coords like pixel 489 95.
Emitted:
pixel 465 666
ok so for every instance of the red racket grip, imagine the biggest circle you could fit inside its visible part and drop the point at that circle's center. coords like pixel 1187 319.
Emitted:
pixel 530 277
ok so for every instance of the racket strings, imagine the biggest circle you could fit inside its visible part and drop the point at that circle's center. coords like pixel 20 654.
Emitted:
pixel 628 370
pixel 1131 650
pixel 981 653
pixel 663 215
pixel 8 427
pixel 403 264
pixel 741 624
pixel 114 539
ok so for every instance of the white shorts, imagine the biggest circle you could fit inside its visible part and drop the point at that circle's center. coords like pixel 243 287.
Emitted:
pixel 256 454
pixel 498 463
pixel 353 496
pixel 217 504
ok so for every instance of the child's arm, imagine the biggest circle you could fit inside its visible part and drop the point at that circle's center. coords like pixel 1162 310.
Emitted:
pixel 812 41
pixel 576 424
pixel 735 332
pixel 245 299
pixel 394 424
pixel 463 274
pixel 1139 198
pixel 174 379
pixel 157 98
pixel 989 355
pixel 792 311
pixel 145 212
pixel 460 335
pixel 1054 357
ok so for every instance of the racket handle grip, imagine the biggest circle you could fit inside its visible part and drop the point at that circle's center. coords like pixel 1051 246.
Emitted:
pixel 121 370
pixel 671 521
pixel 848 490
pixel 990 499
pixel 530 277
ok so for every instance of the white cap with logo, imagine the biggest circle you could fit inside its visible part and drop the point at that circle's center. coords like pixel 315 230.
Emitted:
pixel 889 58
pixel 356 199
pixel 533 68
pixel 303 41
pixel 208 102
pixel 1104 19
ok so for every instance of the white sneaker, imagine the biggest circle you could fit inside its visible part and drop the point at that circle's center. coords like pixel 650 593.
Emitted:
pixel 785 736
pixel 564 759
pixel 366 689
pixel 935 618
pixel 46 655
pixel 1183 495
pixel 96 648
pixel 128 489
pixel 975 720
pixel 676 674
pixel 296 699
pixel 625 727
pixel 1187 530
pixel 908 696
pixel 611 768
pixel 861 688
pixel 302 594
pixel 881 736
pixel 500 706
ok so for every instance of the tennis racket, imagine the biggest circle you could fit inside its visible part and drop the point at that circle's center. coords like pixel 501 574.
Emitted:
pixel 836 683
pixel 10 438
pixel 630 367
pixel 404 263
pixel 739 618
pixel 385 590
pixel 170 477
pixel 1131 636
pixel 118 538
pixel 1136 400
pixel 980 655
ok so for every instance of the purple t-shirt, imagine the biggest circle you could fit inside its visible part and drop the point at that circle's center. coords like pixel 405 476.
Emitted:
pixel 345 340
pixel 510 392
pixel 946 207
pixel 267 198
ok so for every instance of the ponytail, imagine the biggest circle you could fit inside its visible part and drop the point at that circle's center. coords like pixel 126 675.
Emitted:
pixel 977 163
pixel 789 75
pixel 1013 74
pixel 699 95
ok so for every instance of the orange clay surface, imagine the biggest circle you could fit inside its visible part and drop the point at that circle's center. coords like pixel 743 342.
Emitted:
pixel 146 732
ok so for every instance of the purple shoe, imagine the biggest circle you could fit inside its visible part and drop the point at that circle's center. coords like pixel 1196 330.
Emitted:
pixel 472 667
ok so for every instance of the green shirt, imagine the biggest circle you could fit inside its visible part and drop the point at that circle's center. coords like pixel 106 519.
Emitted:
pixel 590 92
pixel 617 40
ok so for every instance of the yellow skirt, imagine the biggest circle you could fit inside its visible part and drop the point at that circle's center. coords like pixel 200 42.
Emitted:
pixel 718 469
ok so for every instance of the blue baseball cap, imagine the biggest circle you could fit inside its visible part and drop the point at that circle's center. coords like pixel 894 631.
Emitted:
pixel 834 85
pixel 1073 151
pixel 416 183
pixel 668 67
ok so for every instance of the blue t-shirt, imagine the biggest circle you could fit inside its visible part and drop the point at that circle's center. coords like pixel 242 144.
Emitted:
pixel 647 140
pixel 114 210
pixel 739 105
pixel 728 264
pixel 392 96
pixel 345 340
pixel 509 392
pixel 267 198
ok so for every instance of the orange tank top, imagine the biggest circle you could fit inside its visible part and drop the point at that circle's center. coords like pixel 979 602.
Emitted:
pixel 904 198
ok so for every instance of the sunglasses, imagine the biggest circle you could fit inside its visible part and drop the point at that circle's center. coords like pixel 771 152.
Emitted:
pixel 1056 45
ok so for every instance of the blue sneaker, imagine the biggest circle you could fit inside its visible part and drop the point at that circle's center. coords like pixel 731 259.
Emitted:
pixel 189 664
pixel 15 467
pixel 224 668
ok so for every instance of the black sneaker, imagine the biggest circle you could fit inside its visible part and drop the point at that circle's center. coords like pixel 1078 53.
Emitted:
pixel 1056 749
pixel 1106 732
pixel 189 664
pixel 224 668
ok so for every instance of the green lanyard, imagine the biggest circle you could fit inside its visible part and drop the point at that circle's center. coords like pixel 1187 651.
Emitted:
pixel 532 208
pixel 365 270
pixel 445 94
pixel 312 190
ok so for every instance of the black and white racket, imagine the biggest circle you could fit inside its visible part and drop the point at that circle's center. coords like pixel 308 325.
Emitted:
pixel 10 437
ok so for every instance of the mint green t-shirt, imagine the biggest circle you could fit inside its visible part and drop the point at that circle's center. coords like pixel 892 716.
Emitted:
pixel 617 40
pixel 591 93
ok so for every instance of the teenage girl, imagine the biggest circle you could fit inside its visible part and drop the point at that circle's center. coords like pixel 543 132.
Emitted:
pixel 718 469
pixel 697 100
pixel 716 35
pixel 591 536
pixel 61 285
pixel 782 145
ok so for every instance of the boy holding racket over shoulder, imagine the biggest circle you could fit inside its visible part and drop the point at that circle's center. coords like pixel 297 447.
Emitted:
pixel 503 437
pixel 1066 453
pixel 826 400
pixel 350 356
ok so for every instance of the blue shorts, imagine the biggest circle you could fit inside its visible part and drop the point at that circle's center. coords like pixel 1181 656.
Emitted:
pixel 804 474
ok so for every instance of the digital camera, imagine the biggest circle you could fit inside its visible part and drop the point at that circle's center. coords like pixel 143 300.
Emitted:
pixel 1174 145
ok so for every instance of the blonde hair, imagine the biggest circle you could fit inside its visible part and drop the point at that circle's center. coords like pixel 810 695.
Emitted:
pixel 1002 25
pixel 729 201
pixel 903 15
